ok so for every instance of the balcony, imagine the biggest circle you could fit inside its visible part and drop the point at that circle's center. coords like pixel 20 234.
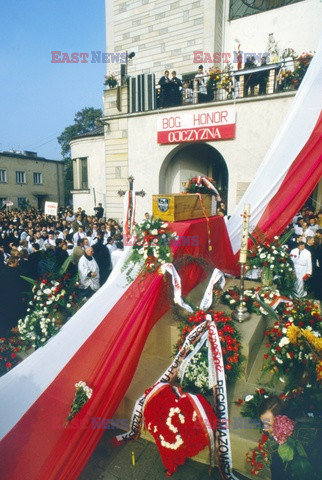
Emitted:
pixel 142 94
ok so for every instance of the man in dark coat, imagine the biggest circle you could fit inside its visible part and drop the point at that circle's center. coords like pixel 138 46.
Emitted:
pixel 103 259
pixel 165 93
pixel 175 92
pixel 12 301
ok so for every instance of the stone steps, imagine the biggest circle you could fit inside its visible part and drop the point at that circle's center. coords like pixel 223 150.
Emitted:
pixel 158 355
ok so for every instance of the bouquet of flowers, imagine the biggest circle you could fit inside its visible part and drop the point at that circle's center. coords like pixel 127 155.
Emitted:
pixel 227 83
pixel 82 395
pixel 199 185
pixel 294 345
pixel 260 456
pixel 151 248
pixel 111 80
pixel 287 80
pixel 214 77
pixel 302 64
pixel 54 301
pixel 289 440
pixel 8 355
pixel 231 297
pixel 251 404
pixel 273 258
pixel 37 327
pixel 196 375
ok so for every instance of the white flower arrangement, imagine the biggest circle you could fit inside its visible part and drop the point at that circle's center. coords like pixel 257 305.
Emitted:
pixel 82 395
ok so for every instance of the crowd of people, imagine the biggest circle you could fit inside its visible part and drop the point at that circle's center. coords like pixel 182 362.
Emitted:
pixel 34 245
pixel 173 91
pixel 306 252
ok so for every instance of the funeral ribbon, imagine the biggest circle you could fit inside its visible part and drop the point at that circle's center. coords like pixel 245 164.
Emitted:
pixel 275 303
pixel 168 375
pixel 205 180
pixel 207 330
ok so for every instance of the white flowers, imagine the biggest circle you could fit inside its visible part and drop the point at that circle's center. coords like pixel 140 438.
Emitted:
pixel 248 398
pixel 179 441
pixel 82 386
pixel 82 395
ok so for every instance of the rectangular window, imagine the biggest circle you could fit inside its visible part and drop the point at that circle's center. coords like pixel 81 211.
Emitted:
pixel 2 200
pixel 84 173
pixel 37 178
pixel 20 177
pixel 22 202
pixel 243 8
pixel 3 176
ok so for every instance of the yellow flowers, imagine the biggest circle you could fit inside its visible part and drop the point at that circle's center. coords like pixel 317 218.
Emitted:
pixel 293 332
pixel 315 341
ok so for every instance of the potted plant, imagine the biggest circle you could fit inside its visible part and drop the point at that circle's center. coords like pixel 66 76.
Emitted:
pixel 111 80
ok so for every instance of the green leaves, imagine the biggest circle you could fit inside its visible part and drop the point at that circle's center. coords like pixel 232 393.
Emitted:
pixel 28 279
pixel 286 450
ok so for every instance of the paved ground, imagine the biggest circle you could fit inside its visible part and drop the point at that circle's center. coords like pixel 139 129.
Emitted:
pixel 109 463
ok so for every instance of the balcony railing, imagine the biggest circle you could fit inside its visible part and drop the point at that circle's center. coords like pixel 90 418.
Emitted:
pixel 216 86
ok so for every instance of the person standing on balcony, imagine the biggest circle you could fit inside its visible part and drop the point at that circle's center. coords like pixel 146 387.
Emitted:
pixel 202 84
pixel 175 91
pixel 263 78
pixel 250 79
pixel 165 89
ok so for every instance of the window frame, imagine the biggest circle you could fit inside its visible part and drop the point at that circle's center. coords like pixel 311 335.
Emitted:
pixel 40 177
pixel 22 204
pixel 5 175
pixel 260 6
pixel 23 175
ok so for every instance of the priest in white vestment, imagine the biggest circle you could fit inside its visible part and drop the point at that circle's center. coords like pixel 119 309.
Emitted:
pixel 302 261
pixel 88 271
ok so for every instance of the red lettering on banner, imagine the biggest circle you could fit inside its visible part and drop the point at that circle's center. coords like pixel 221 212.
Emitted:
pixel 171 122
pixel 220 132
pixel 210 118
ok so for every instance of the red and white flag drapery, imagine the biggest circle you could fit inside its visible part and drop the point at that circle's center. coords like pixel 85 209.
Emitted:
pixel 100 345
pixel 292 167
pixel 129 208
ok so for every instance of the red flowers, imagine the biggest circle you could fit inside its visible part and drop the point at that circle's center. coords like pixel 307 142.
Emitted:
pixel 229 338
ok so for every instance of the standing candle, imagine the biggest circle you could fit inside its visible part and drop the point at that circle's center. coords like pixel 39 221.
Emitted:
pixel 244 239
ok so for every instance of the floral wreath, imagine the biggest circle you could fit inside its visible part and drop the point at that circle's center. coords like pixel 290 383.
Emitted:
pixel 151 248
pixel 202 184
pixel 294 345
pixel 196 375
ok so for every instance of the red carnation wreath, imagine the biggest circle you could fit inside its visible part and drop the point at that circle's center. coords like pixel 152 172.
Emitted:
pixel 181 424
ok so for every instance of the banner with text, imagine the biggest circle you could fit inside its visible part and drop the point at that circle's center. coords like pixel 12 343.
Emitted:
pixel 197 126
pixel 51 208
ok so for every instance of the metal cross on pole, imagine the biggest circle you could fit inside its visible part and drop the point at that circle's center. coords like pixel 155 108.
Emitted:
pixel 140 193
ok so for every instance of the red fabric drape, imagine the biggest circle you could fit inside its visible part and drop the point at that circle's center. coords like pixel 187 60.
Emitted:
pixel 40 446
pixel 300 181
